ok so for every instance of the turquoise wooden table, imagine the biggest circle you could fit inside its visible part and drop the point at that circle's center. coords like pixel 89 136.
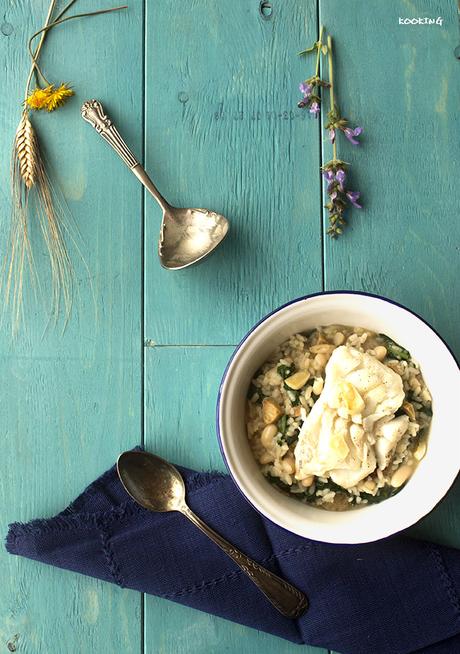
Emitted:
pixel 206 93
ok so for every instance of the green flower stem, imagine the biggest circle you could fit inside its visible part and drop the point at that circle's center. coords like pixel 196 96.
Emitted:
pixel 319 46
pixel 49 26
pixel 39 47
pixel 36 54
pixel 331 90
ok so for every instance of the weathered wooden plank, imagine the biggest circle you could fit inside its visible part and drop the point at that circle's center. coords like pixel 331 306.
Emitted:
pixel 180 397
pixel 181 387
pixel 223 131
pixel 70 404
pixel 400 82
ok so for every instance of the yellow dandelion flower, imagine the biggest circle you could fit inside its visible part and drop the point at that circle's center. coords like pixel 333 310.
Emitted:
pixel 58 96
pixel 39 98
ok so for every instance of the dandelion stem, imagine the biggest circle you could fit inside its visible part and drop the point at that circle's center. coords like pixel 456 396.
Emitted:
pixel 39 47
pixel 49 26
pixel 40 73
pixel 331 88
pixel 319 46
pixel 36 54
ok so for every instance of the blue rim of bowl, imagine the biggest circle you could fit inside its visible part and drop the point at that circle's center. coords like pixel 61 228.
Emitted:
pixel 268 315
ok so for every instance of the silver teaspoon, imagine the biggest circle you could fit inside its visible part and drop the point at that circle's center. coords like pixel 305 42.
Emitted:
pixel 157 485
pixel 186 235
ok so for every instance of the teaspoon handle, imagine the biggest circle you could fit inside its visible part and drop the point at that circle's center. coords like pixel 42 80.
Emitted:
pixel 93 112
pixel 287 599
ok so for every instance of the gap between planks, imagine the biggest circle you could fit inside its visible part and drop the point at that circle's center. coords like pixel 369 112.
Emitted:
pixel 150 343
pixel 142 638
pixel 322 225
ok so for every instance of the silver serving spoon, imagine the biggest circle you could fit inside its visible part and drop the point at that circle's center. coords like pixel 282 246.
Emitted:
pixel 186 235
pixel 157 485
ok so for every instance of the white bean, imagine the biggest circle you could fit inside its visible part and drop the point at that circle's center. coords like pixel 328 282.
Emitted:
pixel 288 464
pixel 268 434
pixel 414 383
pixel 266 457
pixel 339 338
pixel 307 481
pixel 401 475
pixel 323 348
pixel 369 485
pixel 319 361
pixel 426 397
pixel 380 352
pixel 318 385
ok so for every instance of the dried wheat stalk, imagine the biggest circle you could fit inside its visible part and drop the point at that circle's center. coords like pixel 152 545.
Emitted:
pixel 33 198
pixel 34 202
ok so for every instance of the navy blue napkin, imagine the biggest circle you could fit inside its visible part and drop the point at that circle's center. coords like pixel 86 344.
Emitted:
pixel 395 596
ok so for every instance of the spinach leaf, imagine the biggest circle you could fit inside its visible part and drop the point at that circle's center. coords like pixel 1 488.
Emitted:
pixel 395 350
pixel 282 424
pixel 292 439
pixel 303 497
pixel 383 494
pixel 253 390
pixel 285 371
pixel 294 396
pixel 329 485
pixel 277 482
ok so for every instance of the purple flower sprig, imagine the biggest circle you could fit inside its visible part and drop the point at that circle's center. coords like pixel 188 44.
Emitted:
pixel 311 87
pixel 334 172
pixel 339 197
pixel 311 99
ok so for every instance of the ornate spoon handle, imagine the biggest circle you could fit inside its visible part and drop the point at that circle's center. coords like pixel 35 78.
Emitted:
pixel 286 598
pixel 93 112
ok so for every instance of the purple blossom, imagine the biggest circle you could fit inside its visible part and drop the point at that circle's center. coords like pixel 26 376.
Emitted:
pixel 330 179
pixel 351 133
pixel 353 197
pixel 340 177
pixel 314 109
pixel 305 89
pixel 332 135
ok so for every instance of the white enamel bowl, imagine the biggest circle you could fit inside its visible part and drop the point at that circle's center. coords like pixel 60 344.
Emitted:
pixel 434 475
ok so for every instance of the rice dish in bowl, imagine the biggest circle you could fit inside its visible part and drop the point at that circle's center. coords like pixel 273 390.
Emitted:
pixel 339 417
pixel 423 372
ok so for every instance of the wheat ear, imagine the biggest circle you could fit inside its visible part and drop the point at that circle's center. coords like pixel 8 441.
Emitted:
pixel 25 145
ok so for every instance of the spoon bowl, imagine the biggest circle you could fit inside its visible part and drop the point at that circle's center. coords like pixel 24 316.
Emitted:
pixel 189 235
pixel 151 481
